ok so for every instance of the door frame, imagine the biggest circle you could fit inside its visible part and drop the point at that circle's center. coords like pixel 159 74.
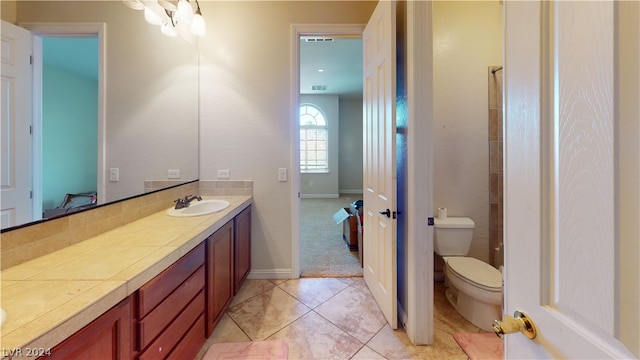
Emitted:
pixel 297 31
pixel 44 29
pixel 417 318
pixel 418 321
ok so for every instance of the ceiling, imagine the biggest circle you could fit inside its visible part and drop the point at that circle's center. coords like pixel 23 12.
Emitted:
pixel 341 59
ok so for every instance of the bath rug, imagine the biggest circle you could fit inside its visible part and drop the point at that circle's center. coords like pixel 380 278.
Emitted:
pixel 481 345
pixel 254 350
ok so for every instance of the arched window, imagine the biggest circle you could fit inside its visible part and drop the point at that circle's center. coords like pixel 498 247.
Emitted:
pixel 313 140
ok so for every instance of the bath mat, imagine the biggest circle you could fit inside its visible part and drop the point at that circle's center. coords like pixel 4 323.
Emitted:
pixel 254 350
pixel 480 346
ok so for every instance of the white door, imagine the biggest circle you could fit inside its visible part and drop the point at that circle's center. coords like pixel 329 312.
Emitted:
pixel 379 96
pixel 560 216
pixel 15 172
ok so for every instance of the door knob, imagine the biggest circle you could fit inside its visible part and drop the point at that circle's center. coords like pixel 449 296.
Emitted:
pixel 386 212
pixel 512 324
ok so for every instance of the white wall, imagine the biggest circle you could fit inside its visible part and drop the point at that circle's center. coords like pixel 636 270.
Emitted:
pixel 245 117
pixel 468 39
pixel 350 145
pixel 325 185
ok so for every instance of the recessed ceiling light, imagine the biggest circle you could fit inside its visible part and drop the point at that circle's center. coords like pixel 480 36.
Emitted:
pixel 321 70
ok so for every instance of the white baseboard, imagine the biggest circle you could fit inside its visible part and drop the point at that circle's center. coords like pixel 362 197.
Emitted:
pixel 268 274
pixel 320 196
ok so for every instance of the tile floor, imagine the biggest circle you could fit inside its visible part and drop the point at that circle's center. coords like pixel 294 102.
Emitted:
pixel 331 318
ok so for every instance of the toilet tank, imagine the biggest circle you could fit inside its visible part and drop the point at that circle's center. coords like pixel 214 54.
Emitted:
pixel 453 236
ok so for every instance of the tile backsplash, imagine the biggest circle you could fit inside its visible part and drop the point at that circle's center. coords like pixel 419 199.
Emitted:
pixel 23 244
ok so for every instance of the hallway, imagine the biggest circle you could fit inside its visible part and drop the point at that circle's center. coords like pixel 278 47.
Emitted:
pixel 331 318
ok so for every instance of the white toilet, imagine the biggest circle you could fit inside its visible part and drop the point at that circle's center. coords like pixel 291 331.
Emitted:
pixel 474 288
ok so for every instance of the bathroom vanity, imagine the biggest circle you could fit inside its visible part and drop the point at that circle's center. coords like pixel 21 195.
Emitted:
pixel 148 289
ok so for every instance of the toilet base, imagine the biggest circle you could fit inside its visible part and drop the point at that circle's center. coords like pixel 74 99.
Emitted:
pixel 478 313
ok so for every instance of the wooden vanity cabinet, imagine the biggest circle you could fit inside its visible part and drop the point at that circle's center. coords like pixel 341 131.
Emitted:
pixel 172 315
pixel 219 273
pixel 242 248
pixel 107 337
pixel 171 308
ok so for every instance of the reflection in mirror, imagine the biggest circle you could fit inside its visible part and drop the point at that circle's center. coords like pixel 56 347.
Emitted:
pixel 146 105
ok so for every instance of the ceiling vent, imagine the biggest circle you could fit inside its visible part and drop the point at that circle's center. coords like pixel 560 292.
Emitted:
pixel 318 39
pixel 318 87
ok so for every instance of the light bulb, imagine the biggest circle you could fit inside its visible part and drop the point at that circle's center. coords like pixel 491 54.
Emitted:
pixel 152 17
pixel 198 27
pixel 168 30
pixel 184 13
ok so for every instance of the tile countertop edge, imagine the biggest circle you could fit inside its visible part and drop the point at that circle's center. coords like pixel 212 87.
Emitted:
pixel 63 329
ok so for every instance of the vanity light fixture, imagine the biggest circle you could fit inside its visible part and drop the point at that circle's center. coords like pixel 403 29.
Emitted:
pixel 178 15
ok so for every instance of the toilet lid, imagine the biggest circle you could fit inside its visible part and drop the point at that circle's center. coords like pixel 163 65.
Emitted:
pixel 476 271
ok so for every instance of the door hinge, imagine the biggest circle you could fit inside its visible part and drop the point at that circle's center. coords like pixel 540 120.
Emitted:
pixel 30 129
pixel 31 194
pixel 30 59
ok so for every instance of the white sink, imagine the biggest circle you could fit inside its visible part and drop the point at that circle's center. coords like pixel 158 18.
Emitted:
pixel 202 207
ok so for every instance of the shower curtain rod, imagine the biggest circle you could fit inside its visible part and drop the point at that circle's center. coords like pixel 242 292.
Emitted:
pixel 495 70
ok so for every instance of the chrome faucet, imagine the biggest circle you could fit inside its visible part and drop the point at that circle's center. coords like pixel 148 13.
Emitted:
pixel 183 203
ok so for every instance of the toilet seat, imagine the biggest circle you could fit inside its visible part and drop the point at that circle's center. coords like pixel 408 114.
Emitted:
pixel 476 272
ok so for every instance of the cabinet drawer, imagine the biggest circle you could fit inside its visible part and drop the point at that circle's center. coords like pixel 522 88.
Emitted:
pixel 156 290
pixel 191 343
pixel 171 336
pixel 155 322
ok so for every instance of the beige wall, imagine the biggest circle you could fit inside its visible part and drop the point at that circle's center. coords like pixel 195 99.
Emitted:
pixel 8 11
pixel 468 39
pixel 628 177
pixel 245 116
pixel 351 145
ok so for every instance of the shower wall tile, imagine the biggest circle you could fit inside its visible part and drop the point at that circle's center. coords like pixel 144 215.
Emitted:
pixel 495 156
pixel 496 139
pixel 496 188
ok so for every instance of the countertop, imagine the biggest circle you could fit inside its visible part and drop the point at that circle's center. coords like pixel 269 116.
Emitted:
pixel 49 298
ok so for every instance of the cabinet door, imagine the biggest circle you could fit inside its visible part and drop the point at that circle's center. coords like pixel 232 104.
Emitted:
pixel 242 251
pixel 219 273
pixel 107 337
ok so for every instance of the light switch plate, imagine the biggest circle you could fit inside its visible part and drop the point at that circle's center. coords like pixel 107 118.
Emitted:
pixel 282 174
pixel 114 174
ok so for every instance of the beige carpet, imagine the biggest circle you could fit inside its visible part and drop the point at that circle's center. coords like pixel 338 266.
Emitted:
pixel 323 251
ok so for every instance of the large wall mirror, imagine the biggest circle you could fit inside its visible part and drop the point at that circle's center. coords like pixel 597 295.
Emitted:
pixel 145 102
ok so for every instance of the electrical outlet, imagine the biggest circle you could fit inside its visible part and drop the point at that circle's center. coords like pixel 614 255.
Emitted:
pixel 114 174
pixel 223 174
pixel 173 174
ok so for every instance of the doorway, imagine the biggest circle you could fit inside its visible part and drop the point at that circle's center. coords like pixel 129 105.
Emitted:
pixel 69 97
pixel 298 32
pixel 68 54
pixel 330 149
